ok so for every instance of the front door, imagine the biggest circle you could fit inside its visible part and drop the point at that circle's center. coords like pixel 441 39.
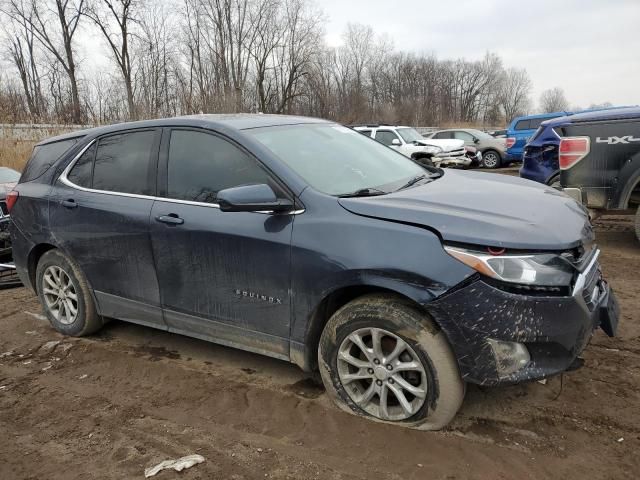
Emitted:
pixel 99 215
pixel 224 276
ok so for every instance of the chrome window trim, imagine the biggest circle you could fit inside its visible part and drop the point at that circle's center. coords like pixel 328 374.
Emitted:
pixel 65 180
pixel 581 280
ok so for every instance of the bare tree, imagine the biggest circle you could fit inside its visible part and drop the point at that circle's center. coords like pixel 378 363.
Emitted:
pixel 21 46
pixel 514 93
pixel 115 20
pixel 59 40
pixel 553 100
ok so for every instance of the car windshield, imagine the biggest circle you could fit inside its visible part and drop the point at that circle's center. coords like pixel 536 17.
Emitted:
pixel 409 134
pixel 337 160
pixel 8 175
pixel 481 135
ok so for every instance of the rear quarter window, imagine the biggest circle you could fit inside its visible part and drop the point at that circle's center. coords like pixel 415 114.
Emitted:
pixel 522 125
pixel 44 156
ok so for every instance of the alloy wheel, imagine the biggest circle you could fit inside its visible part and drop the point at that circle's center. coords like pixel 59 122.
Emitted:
pixel 382 374
pixel 490 160
pixel 60 295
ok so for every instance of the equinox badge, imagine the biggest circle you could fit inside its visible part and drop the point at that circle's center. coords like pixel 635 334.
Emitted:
pixel 257 296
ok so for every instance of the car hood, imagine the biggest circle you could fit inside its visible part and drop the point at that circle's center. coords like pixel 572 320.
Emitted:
pixel 446 145
pixel 485 209
pixel 6 188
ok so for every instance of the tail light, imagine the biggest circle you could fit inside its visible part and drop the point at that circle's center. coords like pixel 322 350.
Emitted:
pixel 572 150
pixel 12 198
pixel 510 142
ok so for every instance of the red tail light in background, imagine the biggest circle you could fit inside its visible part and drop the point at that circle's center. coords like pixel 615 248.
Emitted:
pixel 510 142
pixel 12 198
pixel 572 150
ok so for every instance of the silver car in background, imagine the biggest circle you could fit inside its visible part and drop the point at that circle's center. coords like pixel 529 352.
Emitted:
pixel 493 149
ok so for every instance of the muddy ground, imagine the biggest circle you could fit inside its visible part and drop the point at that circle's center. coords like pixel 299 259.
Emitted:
pixel 110 405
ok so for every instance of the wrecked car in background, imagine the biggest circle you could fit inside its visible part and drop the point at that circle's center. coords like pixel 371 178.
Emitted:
pixel 8 180
pixel 301 239
pixel 407 141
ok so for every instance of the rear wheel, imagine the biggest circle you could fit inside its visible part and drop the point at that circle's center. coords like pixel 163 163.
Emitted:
pixel 65 295
pixel 381 357
pixel 638 223
pixel 491 159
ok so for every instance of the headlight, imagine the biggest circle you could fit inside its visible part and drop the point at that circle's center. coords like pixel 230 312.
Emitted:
pixel 544 269
pixel 432 150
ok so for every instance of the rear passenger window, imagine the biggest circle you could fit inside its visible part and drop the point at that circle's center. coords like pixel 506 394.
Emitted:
pixel 535 122
pixel 81 172
pixel 522 125
pixel 122 163
pixel 201 164
pixel 44 156
pixel 440 135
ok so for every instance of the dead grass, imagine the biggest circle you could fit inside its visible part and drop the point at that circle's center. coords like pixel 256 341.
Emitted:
pixel 15 153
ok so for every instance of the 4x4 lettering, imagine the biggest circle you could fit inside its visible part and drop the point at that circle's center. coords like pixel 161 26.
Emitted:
pixel 615 140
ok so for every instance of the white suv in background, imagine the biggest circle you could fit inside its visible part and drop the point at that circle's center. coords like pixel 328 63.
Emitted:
pixel 410 143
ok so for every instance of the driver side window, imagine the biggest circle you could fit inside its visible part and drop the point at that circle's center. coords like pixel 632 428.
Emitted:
pixel 202 164
pixel 386 137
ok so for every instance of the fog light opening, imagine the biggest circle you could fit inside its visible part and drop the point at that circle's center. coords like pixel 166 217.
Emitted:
pixel 510 356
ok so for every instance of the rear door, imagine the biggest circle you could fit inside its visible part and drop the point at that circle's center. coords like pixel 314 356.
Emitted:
pixel 99 215
pixel 224 276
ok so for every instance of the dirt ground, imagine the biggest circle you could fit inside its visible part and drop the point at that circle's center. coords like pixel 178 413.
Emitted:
pixel 110 405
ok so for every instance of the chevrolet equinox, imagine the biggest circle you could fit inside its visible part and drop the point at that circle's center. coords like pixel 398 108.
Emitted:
pixel 304 240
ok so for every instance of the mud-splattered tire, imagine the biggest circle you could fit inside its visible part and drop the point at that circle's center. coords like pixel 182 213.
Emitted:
pixel 65 295
pixel 381 318
pixel 638 223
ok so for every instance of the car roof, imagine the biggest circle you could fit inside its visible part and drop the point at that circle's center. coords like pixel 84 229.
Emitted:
pixel 541 115
pixel 235 121
pixel 596 115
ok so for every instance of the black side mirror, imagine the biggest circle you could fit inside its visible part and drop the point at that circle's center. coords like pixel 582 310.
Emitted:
pixel 476 140
pixel 252 198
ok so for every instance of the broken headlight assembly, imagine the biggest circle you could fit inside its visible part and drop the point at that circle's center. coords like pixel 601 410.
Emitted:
pixel 432 149
pixel 535 271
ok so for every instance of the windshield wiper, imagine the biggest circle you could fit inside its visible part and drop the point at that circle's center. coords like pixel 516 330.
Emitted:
pixel 364 192
pixel 413 181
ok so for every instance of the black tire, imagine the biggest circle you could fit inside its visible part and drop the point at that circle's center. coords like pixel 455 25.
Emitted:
pixel 491 159
pixel 87 320
pixel 638 223
pixel 423 161
pixel 445 387
pixel 554 182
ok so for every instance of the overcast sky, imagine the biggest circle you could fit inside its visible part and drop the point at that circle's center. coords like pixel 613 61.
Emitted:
pixel 590 48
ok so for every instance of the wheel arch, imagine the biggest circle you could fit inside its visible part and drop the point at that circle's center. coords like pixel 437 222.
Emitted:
pixel 34 257
pixel 305 354
pixel 631 192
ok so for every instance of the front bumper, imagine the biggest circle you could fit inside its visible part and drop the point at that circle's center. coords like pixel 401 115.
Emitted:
pixel 458 161
pixel 554 329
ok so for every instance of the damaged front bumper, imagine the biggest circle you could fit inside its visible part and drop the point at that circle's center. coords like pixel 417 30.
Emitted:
pixel 553 329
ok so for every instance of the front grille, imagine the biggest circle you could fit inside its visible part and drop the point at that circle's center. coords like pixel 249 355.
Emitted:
pixel 454 153
pixel 3 208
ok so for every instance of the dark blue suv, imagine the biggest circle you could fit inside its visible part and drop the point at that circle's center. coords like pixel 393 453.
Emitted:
pixel 520 131
pixel 304 240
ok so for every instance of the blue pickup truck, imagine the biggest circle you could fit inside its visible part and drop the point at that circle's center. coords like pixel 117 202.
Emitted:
pixel 520 131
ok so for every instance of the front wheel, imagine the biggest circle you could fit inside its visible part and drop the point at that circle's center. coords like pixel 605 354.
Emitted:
pixel 383 358
pixel 491 159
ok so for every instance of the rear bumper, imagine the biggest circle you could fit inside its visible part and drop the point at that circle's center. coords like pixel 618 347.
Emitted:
pixel 555 330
